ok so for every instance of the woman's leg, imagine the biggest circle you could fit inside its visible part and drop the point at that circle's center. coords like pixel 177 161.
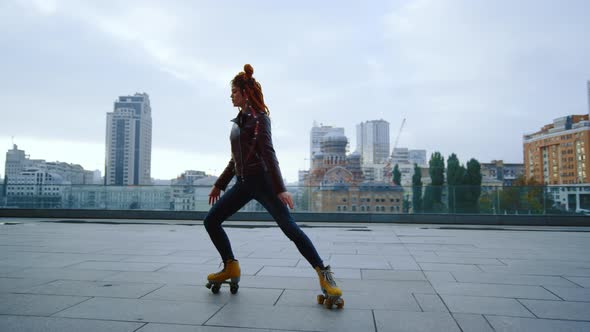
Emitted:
pixel 279 211
pixel 229 203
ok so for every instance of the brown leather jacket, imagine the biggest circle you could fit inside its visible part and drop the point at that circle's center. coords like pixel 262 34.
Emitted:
pixel 252 151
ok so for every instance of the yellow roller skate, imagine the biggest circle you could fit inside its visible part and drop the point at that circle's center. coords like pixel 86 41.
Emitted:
pixel 331 293
pixel 231 272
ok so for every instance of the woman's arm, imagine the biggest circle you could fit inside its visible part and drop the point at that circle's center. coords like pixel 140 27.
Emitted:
pixel 226 176
pixel 267 153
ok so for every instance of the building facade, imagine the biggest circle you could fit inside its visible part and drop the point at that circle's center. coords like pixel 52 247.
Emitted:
pixel 336 182
pixel 558 153
pixel 498 173
pixel 316 134
pixel 373 141
pixel 129 141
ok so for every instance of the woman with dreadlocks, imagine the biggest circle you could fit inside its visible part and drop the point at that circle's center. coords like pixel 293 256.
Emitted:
pixel 255 165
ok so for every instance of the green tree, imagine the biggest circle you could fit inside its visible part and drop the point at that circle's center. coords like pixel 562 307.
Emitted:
pixel 406 204
pixel 397 175
pixel 455 174
pixel 433 194
pixel 473 186
pixel 524 196
pixel 417 189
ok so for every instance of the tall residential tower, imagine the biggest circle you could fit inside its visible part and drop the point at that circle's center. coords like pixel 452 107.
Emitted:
pixel 129 141
pixel 372 141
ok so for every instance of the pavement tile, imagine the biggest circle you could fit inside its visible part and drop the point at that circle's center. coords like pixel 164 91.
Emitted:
pixel 472 323
pixel 513 279
pixel 17 285
pixel 430 303
pixel 200 293
pixel 439 276
pixel 494 290
pixel 307 272
pixel 458 260
pixel 93 288
pixel 53 324
pixel 118 266
pixel 154 327
pixel 359 262
pixel 517 324
pixel 402 321
pixel 368 274
pixel 403 263
pixel 142 311
pixel 582 281
pixel 60 273
pixel 485 305
pixel 189 278
pixel 39 305
pixel 166 259
pixel 389 300
pixel 449 267
pixel 571 293
pixel 312 318
pixel 559 309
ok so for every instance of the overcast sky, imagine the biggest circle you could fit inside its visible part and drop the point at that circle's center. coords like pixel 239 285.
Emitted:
pixel 470 76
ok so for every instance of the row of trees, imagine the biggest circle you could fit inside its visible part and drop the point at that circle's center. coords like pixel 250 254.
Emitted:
pixel 464 190
pixel 463 183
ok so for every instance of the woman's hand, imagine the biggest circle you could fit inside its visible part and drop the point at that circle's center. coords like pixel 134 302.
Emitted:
pixel 214 195
pixel 285 197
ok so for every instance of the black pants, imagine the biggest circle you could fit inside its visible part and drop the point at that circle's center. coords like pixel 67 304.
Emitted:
pixel 256 187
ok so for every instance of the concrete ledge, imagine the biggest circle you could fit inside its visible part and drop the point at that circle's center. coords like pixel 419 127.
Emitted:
pixel 462 219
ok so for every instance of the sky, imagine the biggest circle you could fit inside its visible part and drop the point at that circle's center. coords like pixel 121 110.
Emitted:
pixel 470 77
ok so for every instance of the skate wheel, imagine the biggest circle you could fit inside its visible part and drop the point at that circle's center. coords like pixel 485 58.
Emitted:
pixel 234 289
pixel 328 303
pixel 321 299
pixel 340 303
pixel 215 289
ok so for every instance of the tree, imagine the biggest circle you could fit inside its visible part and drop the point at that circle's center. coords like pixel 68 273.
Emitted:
pixel 455 174
pixel 417 189
pixel 473 186
pixel 524 195
pixel 397 175
pixel 433 195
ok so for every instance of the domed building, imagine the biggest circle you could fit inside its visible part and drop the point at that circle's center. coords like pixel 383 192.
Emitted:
pixel 336 182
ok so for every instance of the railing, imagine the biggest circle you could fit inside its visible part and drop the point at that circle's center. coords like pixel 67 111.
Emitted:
pixel 370 198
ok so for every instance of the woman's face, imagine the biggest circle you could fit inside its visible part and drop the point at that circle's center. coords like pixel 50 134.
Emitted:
pixel 237 98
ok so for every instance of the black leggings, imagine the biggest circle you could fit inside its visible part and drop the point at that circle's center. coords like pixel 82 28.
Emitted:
pixel 256 187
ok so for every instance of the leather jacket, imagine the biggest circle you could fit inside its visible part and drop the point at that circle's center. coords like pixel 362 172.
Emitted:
pixel 252 151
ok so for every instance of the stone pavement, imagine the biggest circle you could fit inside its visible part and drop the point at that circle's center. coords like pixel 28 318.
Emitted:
pixel 150 277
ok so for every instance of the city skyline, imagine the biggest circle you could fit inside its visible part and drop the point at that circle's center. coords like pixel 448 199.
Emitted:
pixel 487 73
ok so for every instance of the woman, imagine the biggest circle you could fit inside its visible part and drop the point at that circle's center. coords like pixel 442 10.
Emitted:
pixel 258 177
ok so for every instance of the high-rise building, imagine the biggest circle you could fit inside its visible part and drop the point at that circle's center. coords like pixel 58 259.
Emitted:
pixel 129 141
pixel 588 83
pixel 17 161
pixel 316 134
pixel 558 153
pixel 372 141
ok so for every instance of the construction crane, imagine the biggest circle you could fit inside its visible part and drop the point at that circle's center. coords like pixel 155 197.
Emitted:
pixel 387 172
pixel 398 134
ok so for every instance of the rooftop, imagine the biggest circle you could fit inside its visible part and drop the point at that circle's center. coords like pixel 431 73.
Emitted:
pixel 117 275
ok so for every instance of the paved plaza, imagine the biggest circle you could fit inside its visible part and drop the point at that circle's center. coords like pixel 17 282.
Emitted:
pixel 148 276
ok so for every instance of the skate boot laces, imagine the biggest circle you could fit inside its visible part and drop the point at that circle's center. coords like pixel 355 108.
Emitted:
pixel 329 276
pixel 222 270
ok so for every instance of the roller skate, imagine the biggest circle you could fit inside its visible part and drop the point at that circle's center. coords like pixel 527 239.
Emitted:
pixel 331 293
pixel 231 272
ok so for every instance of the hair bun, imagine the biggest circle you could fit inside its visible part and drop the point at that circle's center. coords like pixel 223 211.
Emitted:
pixel 248 70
